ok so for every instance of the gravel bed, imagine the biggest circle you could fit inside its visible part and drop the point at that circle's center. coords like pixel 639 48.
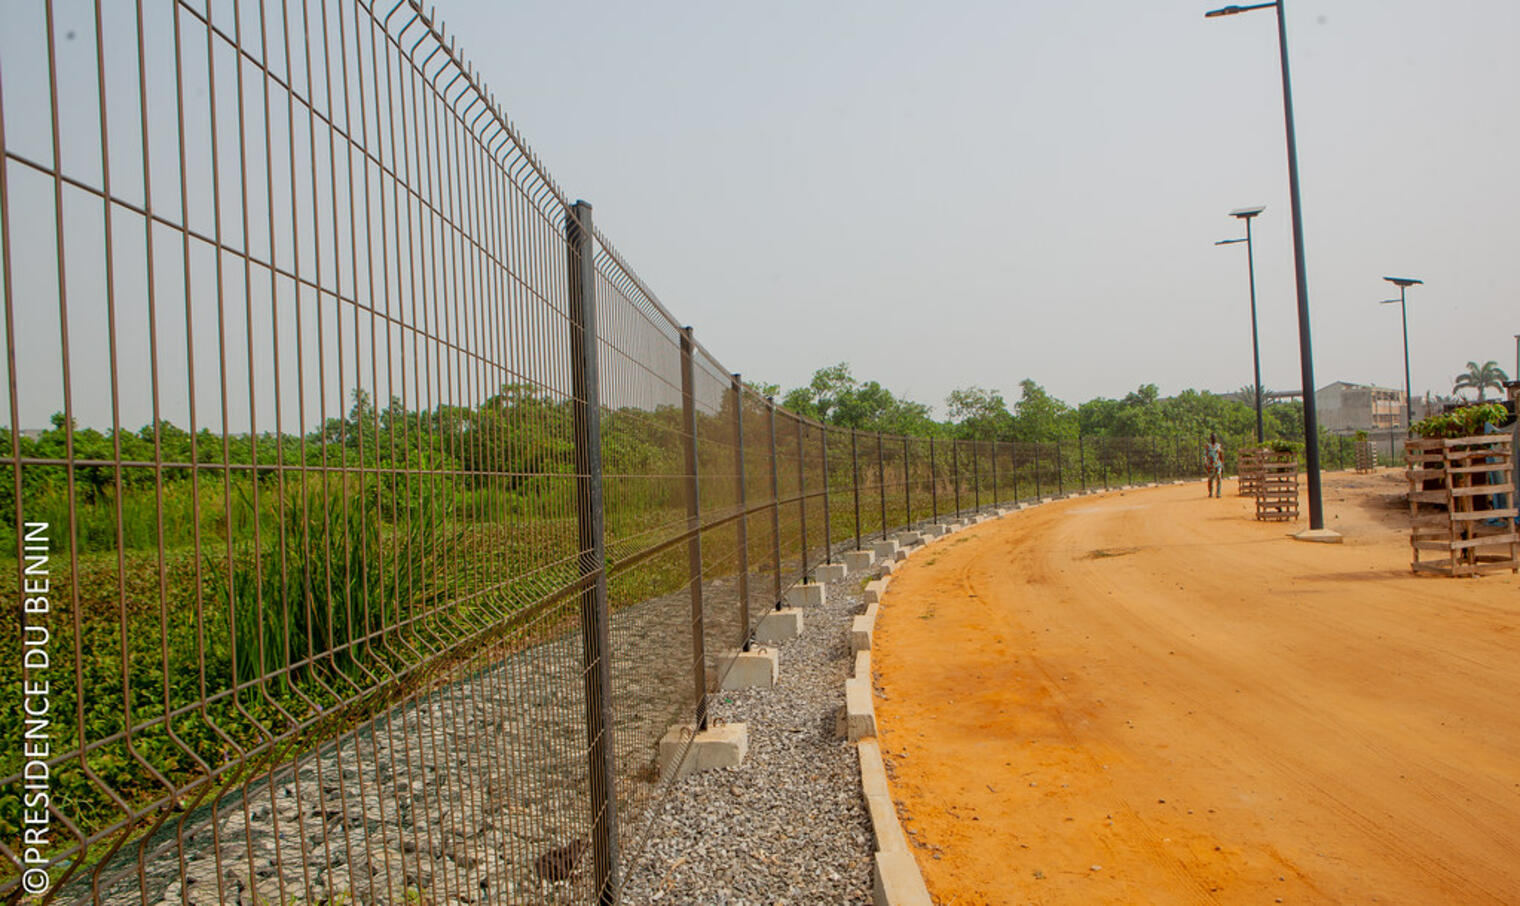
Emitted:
pixel 787 826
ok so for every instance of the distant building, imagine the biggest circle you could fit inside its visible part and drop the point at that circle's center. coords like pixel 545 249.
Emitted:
pixel 1344 407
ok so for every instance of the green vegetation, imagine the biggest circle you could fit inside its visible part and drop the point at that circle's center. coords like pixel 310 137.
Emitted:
pixel 836 397
pixel 1464 422
pixel 227 600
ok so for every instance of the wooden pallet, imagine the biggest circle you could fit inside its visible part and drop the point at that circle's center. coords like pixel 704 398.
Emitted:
pixel 1277 495
pixel 1248 465
pixel 1366 458
pixel 1461 505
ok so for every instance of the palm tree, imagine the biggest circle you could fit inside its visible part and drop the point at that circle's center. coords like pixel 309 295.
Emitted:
pixel 1480 378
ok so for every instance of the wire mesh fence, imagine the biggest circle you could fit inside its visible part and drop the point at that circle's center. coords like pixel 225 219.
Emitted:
pixel 386 522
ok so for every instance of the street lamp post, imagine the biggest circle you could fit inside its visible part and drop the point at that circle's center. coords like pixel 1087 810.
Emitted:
pixel 1301 280
pixel 1246 214
pixel 1404 283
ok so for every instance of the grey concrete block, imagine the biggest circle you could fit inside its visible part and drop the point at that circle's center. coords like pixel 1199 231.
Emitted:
pixel 809 594
pixel 874 590
pixel 829 572
pixel 722 746
pixel 779 626
pixel 756 668
pixel 859 561
pixel 885 550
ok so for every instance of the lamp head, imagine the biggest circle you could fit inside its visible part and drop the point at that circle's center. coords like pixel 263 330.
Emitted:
pixel 1247 213
pixel 1403 281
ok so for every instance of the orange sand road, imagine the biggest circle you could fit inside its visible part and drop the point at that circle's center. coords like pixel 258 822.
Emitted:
pixel 1151 698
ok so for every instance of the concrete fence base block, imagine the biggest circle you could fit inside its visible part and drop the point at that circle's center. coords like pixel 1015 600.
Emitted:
pixel 885 550
pixel 901 555
pixel 829 572
pixel 716 747
pixel 779 626
pixel 874 590
pixel 859 714
pixel 898 882
pixel 757 668
pixel 908 539
pixel 859 561
pixel 887 567
pixel 809 594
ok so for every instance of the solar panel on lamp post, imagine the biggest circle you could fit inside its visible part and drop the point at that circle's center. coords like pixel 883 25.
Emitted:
pixel 1404 283
pixel 1246 214
pixel 1316 530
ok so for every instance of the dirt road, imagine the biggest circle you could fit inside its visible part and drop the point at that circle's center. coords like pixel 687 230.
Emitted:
pixel 1149 697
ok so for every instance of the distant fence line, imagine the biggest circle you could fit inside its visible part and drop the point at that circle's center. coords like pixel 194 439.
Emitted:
pixel 438 519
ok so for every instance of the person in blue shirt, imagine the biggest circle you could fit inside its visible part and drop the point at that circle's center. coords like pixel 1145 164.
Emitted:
pixel 1213 461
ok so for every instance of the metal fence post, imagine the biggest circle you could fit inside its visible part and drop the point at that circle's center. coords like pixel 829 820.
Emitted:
pixel 994 445
pixel 802 499
pixel 955 459
pixel 770 403
pixel 1013 462
pixel 855 480
pixel 907 486
pixel 743 509
pixel 590 520
pixel 1038 492
pixel 881 483
pixel 1060 482
pixel 1129 466
pixel 976 475
pixel 933 482
pixel 693 528
pixel 1082 462
pixel 828 522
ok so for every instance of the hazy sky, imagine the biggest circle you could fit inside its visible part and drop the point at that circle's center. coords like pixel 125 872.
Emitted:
pixel 973 193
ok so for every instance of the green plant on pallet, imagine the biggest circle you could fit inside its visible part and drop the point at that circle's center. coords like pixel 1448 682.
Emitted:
pixel 1464 422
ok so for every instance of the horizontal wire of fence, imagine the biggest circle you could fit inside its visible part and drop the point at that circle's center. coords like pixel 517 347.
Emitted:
pixel 374 523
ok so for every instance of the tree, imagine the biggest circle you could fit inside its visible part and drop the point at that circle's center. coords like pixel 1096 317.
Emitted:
pixel 1041 417
pixel 834 396
pixel 1480 378
pixel 980 414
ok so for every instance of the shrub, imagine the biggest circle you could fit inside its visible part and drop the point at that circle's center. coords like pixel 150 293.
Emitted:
pixel 1464 422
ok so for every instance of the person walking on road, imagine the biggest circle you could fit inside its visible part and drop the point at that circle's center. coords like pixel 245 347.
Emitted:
pixel 1213 461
